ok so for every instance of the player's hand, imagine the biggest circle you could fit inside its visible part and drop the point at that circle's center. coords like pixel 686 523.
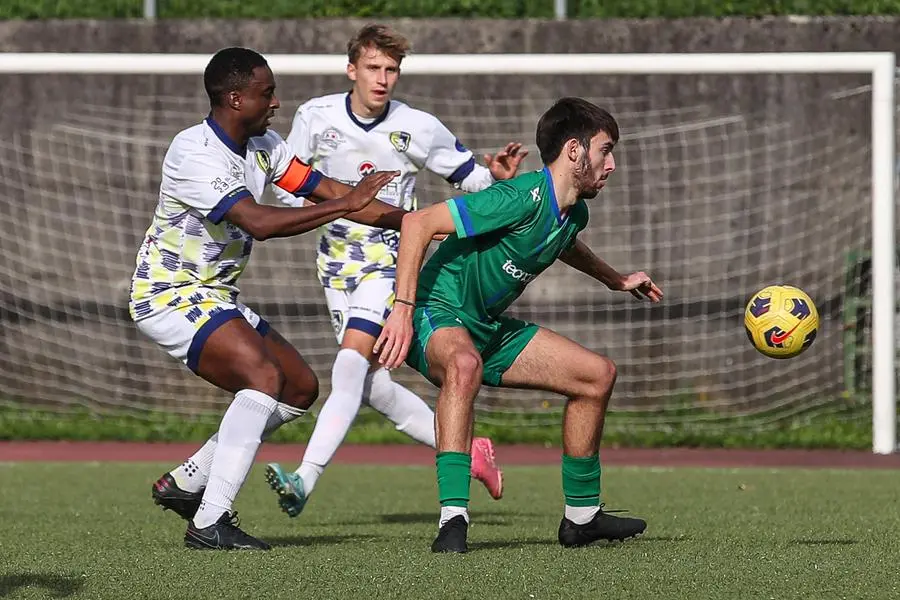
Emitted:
pixel 392 345
pixel 505 163
pixel 368 187
pixel 439 237
pixel 641 286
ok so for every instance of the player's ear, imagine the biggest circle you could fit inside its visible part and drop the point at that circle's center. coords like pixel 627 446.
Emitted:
pixel 351 71
pixel 234 100
pixel 573 149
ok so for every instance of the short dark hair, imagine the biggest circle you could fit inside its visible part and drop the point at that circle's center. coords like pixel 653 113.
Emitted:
pixel 572 118
pixel 379 37
pixel 228 70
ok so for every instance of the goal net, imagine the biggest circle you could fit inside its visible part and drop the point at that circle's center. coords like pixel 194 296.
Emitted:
pixel 725 183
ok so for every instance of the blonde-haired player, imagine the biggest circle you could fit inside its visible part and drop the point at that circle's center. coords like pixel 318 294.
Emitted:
pixel 346 136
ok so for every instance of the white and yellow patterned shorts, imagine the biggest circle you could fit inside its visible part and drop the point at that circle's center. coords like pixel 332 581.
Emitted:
pixel 182 331
pixel 365 307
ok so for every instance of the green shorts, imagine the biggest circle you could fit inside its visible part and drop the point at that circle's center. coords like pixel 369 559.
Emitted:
pixel 499 341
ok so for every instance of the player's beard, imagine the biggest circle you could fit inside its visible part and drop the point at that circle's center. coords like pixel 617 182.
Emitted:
pixel 584 179
pixel 259 128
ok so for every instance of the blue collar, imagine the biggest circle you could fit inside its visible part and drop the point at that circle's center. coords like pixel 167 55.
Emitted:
pixel 366 126
pixel 554 205
pixel 230 143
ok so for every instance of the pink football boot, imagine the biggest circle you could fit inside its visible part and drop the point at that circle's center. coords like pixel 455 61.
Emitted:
pixel 484 469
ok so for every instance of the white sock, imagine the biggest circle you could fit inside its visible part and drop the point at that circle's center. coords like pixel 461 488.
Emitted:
pixel 448 512
pixel 283 413
pixel 407 411
pixel 348 376
pixel 240 434
pixel 581 514
pixel 192 474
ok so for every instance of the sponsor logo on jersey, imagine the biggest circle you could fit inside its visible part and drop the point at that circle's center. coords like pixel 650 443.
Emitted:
pixel 536 195
pixel 400 140
pixel 262 159
pixel 331 138
pixel 516 273
pixel 366 167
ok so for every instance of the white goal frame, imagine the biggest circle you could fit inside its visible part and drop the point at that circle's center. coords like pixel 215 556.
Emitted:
pixel 880 65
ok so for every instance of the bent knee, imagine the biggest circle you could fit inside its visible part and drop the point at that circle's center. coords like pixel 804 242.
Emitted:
pixel 301 391
pixel 601 378
pixel 465 369
pixel 264 375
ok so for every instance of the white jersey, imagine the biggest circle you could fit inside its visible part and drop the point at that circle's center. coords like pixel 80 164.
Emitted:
pixel 333 140
pixel 190 255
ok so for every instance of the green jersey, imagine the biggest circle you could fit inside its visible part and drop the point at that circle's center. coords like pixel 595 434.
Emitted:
pixel 506 235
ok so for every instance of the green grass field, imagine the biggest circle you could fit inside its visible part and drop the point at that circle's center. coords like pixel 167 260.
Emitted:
pixel 90 530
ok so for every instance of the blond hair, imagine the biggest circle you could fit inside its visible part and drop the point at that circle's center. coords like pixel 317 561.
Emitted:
pixel 379 37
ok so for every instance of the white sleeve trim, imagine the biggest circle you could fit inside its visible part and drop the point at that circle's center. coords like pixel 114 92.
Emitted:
pixel 477 180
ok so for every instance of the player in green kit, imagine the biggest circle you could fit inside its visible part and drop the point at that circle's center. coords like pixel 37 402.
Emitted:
pixel 448 323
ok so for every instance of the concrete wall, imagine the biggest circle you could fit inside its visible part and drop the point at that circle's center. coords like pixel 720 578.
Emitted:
pixel 725 184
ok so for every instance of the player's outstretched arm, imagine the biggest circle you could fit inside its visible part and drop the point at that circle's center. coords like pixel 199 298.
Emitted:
pixel 418 229
pixel 505 164
pixel 264 222
pixel 580 257
pixel 448 158
pixel 376 214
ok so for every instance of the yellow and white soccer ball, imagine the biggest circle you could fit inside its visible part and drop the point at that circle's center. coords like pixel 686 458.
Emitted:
pixel 781 321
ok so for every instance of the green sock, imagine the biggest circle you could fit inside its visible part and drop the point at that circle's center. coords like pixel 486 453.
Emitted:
pixel 581 480
pixel 453 475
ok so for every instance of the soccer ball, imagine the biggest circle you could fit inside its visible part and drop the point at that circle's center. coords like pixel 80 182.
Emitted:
pixel 781 321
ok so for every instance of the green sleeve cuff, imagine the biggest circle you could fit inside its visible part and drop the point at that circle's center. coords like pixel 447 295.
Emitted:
pixel 461 219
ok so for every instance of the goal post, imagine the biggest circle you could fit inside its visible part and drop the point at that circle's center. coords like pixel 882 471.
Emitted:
pixel 879 65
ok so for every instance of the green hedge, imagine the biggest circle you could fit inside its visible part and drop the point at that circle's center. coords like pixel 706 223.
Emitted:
pixel 849 429
pixel 281 9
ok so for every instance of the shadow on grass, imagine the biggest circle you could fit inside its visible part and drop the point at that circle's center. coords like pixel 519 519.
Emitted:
pixel 551 541
pixel 317 540
pixel 481 518
pixel 832 542
pixel 58 586
pixel 495 544
pixel 431 518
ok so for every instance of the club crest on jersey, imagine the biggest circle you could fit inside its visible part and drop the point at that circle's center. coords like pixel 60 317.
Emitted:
pixel 391 238
pixel 331 138
pixel 400 140
pixel 262 159
pixel 366 167
pixel 337 321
